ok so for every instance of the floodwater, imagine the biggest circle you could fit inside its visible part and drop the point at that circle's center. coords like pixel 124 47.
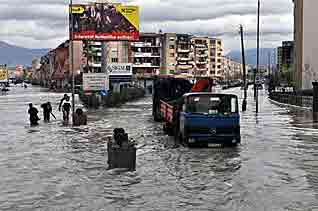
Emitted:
pixel 53 167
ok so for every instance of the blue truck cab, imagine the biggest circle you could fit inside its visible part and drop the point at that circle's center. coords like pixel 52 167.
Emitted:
pixel 209 119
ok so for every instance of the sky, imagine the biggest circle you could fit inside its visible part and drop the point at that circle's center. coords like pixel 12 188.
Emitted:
pixel 44 23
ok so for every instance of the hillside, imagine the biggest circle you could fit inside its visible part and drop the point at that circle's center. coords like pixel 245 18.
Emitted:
pixel 14 55
pixel 250 55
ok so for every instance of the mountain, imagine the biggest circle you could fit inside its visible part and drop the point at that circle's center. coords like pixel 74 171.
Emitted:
pixel 250 55
pixel 14 55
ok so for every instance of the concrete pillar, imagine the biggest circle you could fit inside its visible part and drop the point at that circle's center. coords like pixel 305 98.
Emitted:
pixel 315 97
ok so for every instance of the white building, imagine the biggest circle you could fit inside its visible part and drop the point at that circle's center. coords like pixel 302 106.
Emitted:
pixel 306 45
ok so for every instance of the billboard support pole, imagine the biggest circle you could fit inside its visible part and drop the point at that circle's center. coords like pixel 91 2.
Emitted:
pixel 72 59
pixel 104 58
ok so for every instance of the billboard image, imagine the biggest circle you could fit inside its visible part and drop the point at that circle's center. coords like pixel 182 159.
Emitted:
pixel 105 22
pixel 3 75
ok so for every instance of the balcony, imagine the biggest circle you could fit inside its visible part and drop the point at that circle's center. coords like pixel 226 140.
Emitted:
pixel 144 45
pixel 201 69
pixel 145 65
pixel 185 67
pixel 202 62
pixel 202 55
pixel 183 41
pixel 184 59
pixel 139 54
pixel 180 50
pixel 201 46
pixel 93 64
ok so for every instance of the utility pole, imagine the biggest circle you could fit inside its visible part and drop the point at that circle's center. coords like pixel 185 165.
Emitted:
pixel 244 105
pixel 269 64
pixel 257 69
pixel 72 57
pixel 7 71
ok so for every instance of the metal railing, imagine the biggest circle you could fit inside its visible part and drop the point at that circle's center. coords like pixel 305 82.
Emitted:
pixel 287 98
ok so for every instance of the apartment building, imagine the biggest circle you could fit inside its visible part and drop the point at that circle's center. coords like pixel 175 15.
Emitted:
pixel 201 56
pixel 232 69
pixel 177 54
pixel 280 58
pixel 285 56
pixel 117 52
pixel 147 54
pixel 216 54
pixel 184 56
pixel 169 53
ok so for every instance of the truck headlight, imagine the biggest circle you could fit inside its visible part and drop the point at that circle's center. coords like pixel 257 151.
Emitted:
pixel 234 141
pixel 192 140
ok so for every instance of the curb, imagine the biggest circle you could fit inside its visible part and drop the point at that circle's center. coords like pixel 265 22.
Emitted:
pixel 289 105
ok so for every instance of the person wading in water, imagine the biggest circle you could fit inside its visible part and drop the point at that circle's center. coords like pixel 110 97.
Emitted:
pixel 47 110
pixel 66 108
pixel 33 112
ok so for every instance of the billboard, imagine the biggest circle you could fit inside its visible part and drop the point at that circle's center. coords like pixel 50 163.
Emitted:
pixel 95 82
pixel 3 75
pixel 105 22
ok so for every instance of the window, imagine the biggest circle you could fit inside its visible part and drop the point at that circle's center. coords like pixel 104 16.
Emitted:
pixel 219 60
pixel 171 54
pixel 219 105
pixel 114 60
pixel 171 47
pixel 219 66
pixel 213 66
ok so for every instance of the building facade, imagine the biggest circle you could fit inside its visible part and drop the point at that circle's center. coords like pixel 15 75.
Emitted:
pixel 147 54
pixel 216 55
pixel 306 45
pixel 117 52
pixel 285 56
pixel 201 56
pixel 233 70
pixel 155 53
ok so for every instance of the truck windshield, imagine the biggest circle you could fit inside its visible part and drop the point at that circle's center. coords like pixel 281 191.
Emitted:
pixel 212 105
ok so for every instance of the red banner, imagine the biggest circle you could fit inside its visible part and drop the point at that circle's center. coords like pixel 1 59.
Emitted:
pixel 115 36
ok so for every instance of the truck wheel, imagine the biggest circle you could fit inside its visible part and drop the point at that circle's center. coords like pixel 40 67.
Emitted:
pixel 170 130
pixel 156 118
pixel 185 142
pixel 164 128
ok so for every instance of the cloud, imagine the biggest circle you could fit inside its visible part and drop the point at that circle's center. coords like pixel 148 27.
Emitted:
pixel 44 23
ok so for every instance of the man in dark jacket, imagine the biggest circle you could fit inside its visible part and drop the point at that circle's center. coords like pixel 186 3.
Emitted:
pixel 79 118
pixel 47 110
pixel 33 112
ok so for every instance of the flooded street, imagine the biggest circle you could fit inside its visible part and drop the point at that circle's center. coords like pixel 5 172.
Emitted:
pixel 52 167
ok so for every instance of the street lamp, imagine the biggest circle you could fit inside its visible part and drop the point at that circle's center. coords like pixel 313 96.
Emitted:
pixel 244 105
pixel 71 56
